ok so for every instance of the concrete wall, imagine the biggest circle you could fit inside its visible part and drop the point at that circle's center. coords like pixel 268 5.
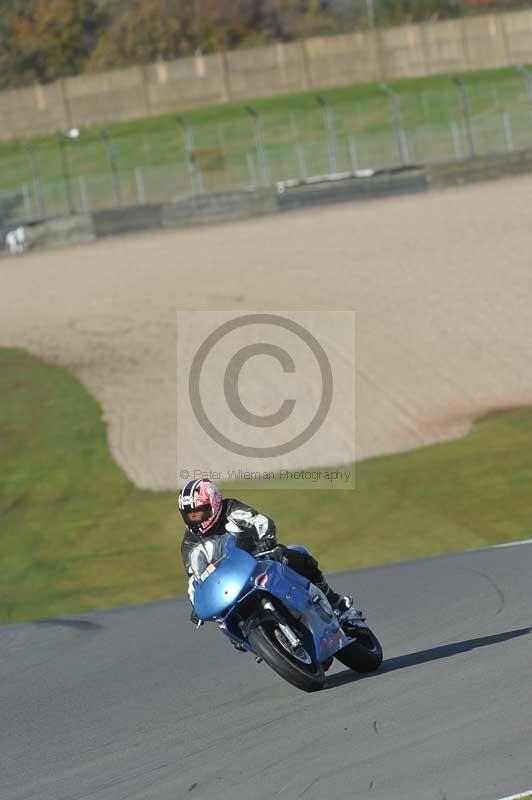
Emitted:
pixel 436 47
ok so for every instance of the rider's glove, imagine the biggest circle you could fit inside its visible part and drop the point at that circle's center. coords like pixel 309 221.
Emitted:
pixel 279 554
pixel 195 619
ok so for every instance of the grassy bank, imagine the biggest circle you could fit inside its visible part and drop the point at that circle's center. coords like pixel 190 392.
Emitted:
pixel 75 534
pixel 159 140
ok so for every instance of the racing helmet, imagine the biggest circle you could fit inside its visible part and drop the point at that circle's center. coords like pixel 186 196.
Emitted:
pixel 200 495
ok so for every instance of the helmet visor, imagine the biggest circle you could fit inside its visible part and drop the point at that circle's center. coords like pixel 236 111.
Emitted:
pixel 195 516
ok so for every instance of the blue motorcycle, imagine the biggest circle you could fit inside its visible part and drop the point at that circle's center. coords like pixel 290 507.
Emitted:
pixel 268 609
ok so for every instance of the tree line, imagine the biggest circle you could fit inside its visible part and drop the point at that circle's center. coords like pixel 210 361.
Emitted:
pixel 42 40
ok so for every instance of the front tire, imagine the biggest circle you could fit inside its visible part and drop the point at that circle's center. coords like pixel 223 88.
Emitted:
pixel 306 673
pixel 362 655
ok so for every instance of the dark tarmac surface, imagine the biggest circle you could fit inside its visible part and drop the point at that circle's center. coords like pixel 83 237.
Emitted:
pixel 136 704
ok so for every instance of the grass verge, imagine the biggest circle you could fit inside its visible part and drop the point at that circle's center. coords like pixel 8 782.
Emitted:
pixel 76 535
pixel 521 797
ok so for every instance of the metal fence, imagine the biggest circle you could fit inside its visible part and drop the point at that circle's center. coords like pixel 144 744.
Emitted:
pixel 91 170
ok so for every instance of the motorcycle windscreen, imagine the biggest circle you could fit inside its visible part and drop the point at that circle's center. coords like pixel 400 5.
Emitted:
pixel 221 584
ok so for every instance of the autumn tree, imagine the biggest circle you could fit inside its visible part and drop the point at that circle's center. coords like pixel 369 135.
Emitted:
pixel 10 12
pixel 56 39
pixel 147 30
pixel 249 22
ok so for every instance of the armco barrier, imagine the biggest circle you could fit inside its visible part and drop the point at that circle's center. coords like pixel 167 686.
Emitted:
pixel 75 229
pixel 117 221
pixel 481 168
pixel 203 209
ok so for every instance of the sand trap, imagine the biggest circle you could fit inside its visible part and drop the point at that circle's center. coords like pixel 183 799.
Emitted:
pixel 441 283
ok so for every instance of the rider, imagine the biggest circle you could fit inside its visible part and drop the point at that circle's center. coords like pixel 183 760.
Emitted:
pixel 206 515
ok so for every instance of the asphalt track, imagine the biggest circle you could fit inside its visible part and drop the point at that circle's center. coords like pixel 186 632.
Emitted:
pixel 135 704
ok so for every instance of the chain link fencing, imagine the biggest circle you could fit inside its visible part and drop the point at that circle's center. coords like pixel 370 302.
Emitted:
pixel 96 170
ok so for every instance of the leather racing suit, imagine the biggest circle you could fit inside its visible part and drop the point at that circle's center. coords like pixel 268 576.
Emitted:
pixel 255 533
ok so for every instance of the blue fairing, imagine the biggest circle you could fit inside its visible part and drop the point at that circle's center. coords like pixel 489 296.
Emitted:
pixel 223 586
pixel 234 575
pixel 296 593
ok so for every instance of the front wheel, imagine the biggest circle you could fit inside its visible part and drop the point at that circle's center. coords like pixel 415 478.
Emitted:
pixel 295 665
pixel 362 655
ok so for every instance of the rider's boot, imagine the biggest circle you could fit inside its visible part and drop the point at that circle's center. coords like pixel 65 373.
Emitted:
pixel 339 602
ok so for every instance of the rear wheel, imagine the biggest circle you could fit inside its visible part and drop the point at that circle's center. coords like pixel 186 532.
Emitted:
pixel 362 655
pixel 295 664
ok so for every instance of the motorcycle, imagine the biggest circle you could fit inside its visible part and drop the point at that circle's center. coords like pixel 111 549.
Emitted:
pixel 266 608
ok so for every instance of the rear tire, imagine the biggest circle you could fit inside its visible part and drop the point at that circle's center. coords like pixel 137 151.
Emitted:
pixel 308 677
pixel 362 655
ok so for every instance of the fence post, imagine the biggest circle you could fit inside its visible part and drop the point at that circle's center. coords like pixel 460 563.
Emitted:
pixel 259 139
pixel 27 200
pixel 402 144
pixel 331 133
pixel 353 155
pixel 195 172
pixel 85 205
pixel 466 113
pixel 139 181
pixel 67 184
pixel 455 133
pixel 105 136
pixel 508 136
pixel 37 184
